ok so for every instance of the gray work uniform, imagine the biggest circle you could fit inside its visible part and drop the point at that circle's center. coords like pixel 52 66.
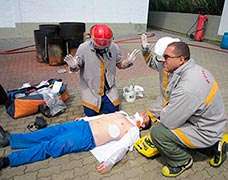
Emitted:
pixel 94 69
pixel 195 111
pixel 194 116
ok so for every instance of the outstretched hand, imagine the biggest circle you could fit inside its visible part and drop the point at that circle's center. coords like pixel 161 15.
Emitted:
pixel 132 56
pixel 72 61
pixel 145 44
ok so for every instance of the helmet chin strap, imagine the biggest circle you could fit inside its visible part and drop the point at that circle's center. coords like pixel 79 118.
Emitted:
pixel 102 50
pixel 97 47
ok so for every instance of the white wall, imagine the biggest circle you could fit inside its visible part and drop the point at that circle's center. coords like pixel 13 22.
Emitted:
pixel 88 11
pixel 7 15
pixel 223 27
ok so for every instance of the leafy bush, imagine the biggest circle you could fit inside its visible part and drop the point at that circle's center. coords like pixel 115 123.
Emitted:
pixel 212 7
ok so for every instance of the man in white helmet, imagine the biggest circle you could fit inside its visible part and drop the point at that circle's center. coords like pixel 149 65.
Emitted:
pixel 192 113
pixel 153 58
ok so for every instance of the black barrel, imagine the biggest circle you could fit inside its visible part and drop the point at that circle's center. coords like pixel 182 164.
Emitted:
pixel 41 41
pixel 54 27
pixel 56 51
pixel 73 34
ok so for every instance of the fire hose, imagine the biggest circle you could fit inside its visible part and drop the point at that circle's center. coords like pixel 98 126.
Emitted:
pixel 121 41
pixel 18 50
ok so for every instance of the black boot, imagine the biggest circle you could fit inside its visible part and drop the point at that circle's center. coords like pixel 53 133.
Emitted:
pixel 4 162
pixel 4 137
pixel 220 152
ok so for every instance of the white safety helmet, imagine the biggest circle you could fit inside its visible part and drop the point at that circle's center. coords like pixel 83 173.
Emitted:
pixel 162 44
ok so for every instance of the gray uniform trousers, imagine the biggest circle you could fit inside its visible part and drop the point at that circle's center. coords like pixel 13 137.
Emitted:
pixel 174 152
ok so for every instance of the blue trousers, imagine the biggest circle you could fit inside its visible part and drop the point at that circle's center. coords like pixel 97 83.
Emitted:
pixel 53 141
pixel 106 107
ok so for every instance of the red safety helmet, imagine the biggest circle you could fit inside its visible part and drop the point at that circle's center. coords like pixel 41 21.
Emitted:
pixel 101 35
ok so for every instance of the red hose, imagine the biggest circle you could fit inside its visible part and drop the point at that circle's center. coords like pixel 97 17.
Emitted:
pixel 129 40
pixel 194 45
pixel 20 48
pixel 214 49
pixel 132 39
pixel 16 51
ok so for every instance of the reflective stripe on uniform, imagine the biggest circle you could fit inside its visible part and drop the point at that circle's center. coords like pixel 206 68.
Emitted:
pixel 121 64
pixel 154 119
pixel 165 85
pixel 101 92
pixel 181 135
pixel 90 106
pixel 116 102
pixel 148 56
pixel 212 93
pixel 207 101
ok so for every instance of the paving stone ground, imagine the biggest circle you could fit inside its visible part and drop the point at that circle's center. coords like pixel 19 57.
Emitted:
pixel 16 69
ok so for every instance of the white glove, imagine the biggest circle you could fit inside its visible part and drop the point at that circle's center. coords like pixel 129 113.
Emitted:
pixel 145 44
pixel 73 62
pixel 131 57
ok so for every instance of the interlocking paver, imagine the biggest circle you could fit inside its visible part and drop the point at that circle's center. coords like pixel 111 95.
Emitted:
pixel 16 69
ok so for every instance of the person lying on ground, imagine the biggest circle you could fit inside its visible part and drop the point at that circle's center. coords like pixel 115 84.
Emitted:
pixel 76 136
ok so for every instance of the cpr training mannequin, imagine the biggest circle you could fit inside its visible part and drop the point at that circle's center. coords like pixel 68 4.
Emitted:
pixel 77 136
pixel 97 60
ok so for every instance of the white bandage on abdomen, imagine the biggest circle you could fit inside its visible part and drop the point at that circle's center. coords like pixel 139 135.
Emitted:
pixel 114 130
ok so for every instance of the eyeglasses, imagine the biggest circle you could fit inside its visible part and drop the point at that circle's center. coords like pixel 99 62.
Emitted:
pixel 165 56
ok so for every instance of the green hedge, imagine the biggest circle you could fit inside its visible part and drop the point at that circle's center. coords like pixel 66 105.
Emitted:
pixel 209 7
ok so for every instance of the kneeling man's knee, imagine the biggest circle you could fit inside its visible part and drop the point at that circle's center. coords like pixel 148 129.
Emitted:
pixel 155 131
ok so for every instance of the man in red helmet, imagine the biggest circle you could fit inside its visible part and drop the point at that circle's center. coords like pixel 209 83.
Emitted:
pixel 97 60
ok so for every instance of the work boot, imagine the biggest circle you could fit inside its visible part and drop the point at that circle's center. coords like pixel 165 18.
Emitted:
pixel 4 137
pixel 220 152
pixel 4 162
pixel 170 171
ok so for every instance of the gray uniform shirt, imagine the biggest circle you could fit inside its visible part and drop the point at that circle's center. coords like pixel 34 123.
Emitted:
pixel 195 111
pixel 93 69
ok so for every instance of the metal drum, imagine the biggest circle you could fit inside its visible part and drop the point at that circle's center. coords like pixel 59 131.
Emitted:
pixel 73 34
pixel 56 51
pixel 41 41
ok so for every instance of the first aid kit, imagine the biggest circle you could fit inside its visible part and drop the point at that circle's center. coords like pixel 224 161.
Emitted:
pixel 26 100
